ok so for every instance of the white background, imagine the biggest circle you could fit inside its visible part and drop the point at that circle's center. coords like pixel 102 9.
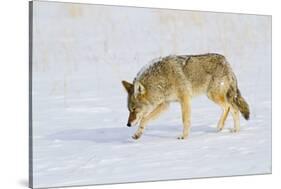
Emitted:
pixel 14 92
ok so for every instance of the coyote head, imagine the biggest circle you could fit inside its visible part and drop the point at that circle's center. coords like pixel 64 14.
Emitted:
pixel 138 104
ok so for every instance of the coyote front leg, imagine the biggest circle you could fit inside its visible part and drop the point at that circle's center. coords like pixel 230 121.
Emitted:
pixel 159 109
pixel 186 109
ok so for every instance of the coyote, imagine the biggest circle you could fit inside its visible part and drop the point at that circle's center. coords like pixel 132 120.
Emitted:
pixel 179 78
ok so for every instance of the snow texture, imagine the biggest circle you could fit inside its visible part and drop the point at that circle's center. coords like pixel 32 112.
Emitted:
pixel 80 55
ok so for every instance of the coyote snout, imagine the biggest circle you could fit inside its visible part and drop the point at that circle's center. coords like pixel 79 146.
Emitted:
pixel 179 78
pixel 132 120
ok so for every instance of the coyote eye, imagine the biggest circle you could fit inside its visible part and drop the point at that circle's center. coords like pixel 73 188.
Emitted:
pixel 132 109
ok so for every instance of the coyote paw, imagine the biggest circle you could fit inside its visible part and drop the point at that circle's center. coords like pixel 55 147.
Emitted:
pixel 136 136
pixel 219 129
pixel 182 137
pixel 233 130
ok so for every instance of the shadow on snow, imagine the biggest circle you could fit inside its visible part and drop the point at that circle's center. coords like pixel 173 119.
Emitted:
pixel 123 134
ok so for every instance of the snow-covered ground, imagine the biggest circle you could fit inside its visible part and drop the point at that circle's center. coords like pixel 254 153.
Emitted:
pixel 81 54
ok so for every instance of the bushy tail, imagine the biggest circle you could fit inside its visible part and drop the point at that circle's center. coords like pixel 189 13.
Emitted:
pixel 237 101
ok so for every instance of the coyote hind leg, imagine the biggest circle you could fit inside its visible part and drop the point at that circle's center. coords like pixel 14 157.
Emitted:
pixel 236 119
pixel 220 99
pixel 223 117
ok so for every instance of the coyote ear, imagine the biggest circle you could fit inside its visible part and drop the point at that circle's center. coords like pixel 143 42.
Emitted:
pixel 138 88
pixel 128 86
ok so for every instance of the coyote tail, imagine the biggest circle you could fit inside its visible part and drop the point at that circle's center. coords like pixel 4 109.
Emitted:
pixel 237 101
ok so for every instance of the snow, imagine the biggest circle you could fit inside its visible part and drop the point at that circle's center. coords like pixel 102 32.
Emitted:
pixel 81 54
